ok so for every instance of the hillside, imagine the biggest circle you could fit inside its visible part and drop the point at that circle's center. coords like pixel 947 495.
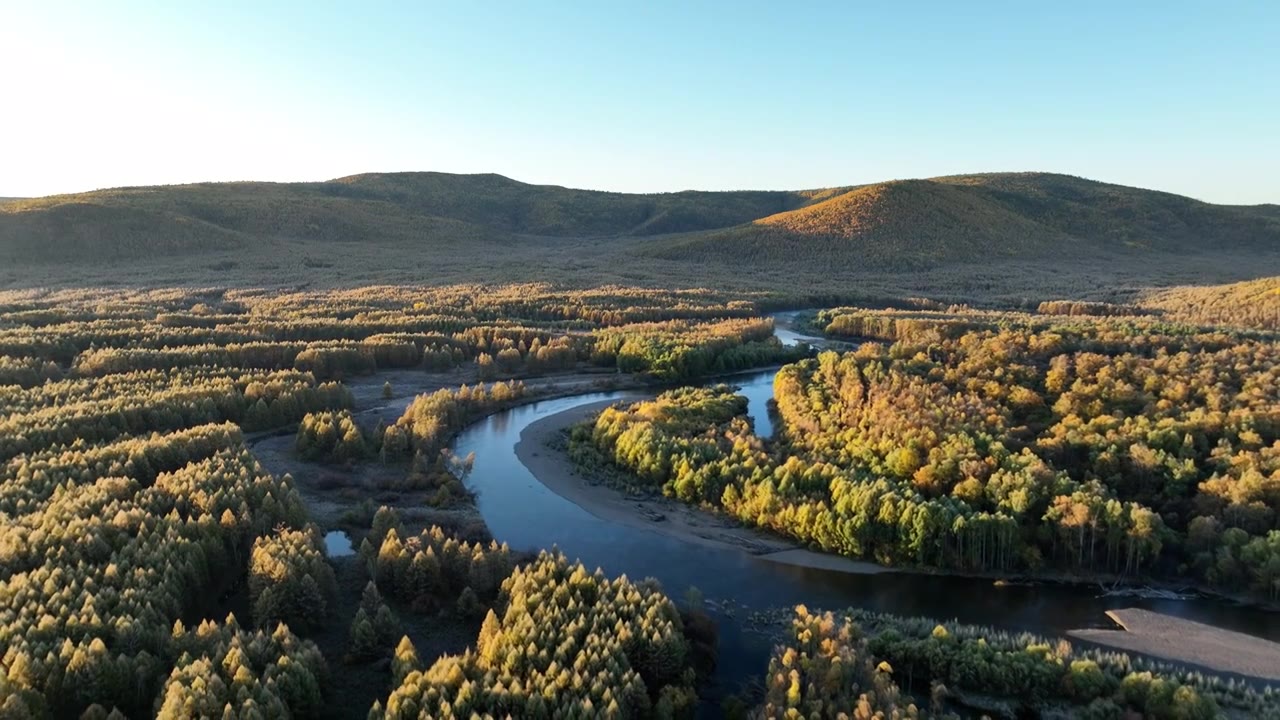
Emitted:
pixel 436 226
pixel 915 223
pixel 516 207
pixel 421 208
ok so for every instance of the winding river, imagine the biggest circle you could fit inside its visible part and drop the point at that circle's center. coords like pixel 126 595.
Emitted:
pixel 524 513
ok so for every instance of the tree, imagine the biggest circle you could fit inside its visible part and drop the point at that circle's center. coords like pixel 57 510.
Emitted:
pixel 488 644
pixel 468 604
pixel 405 661
pixel 363 642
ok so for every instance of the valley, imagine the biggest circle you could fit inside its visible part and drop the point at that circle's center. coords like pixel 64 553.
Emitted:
pixel 639 361
pixel 357 493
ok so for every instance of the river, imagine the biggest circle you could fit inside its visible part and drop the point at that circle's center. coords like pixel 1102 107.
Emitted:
pixel 524 513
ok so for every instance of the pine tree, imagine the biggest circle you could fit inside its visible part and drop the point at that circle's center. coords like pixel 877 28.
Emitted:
pixel 405 661
pixel 363 642
pixel 469 605
pixel 370 598
pixel 310 605
pixel 369 555
pixel 384 520
pixel 385 625
pixel 488 643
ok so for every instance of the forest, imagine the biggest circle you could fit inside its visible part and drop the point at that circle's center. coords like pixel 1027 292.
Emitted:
pixel 152 565
pixel 132 503
pixel 1118 448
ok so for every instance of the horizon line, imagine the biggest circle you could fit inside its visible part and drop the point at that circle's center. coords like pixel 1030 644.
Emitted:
pixel 813 188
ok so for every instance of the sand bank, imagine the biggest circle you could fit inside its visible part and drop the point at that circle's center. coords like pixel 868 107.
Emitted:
pixel 1186 641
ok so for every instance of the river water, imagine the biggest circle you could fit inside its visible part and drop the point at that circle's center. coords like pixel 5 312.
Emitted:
pixel 524 513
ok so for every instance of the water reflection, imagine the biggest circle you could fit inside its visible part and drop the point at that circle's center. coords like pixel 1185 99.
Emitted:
pixel 499 421
pixel 758 391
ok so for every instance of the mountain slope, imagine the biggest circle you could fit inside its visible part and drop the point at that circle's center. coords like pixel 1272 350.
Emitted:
pixel 900 224
pixel 517 207
pixel 911 223
pixel 422 208
pixel 1120 214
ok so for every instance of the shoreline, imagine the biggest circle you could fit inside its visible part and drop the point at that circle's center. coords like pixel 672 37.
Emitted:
pixel 1178 640
pixel 658 514
pixel 559 474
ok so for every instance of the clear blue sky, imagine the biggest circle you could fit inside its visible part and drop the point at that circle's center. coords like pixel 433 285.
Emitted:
pixel 646 96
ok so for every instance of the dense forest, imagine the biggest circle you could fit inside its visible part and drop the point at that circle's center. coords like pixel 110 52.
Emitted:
pixel 569 644
pixel 1255 303
pixel 1114 448
pixel 131 502
pixel 152 566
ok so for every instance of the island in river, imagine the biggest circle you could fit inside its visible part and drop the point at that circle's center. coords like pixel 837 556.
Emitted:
pixel 676 519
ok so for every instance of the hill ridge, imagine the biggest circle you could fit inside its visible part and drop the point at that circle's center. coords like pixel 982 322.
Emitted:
pixel 905 223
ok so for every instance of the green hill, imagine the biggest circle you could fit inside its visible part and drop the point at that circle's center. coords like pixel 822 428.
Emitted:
pixel 412 217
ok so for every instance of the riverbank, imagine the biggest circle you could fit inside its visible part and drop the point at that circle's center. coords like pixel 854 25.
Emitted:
pixel 1185 641
pixel 553 468
pixel 656 514
pixel 1212 648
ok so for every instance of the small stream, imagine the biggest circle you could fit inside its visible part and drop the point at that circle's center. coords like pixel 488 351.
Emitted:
pixel 521 511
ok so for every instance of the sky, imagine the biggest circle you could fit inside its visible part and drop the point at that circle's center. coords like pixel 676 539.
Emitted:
pixel 641 96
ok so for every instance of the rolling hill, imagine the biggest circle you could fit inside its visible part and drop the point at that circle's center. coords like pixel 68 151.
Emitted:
pixel 983 217
pixel 383 208
pixel 896 225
